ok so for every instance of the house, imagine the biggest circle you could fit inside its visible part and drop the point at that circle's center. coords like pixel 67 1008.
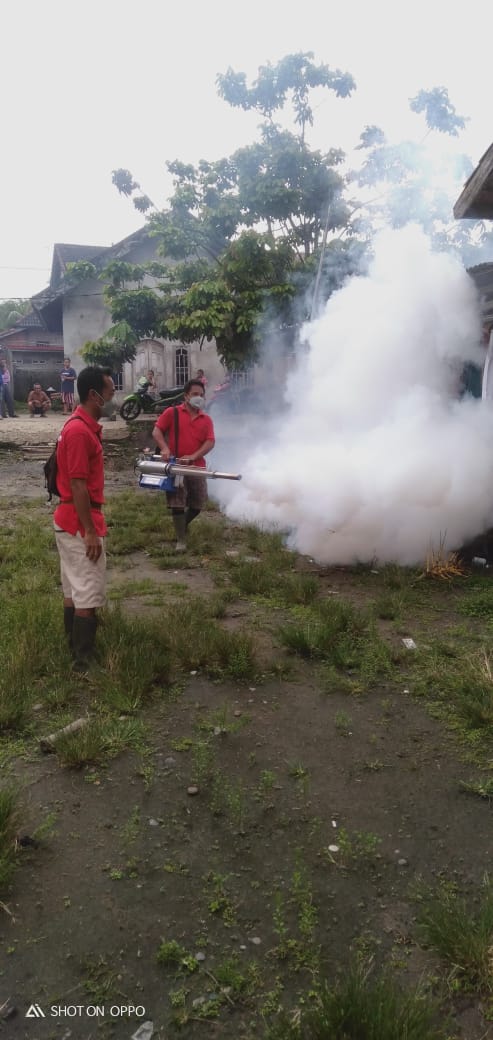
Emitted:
pixel 476 199
pixel 33 354
pixel 34 346
pixel 77 313
pixel 476 203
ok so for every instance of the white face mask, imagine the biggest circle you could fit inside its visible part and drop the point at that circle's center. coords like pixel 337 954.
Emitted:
pixel 196 402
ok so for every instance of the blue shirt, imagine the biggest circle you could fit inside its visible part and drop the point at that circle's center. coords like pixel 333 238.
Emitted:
pixel 68 376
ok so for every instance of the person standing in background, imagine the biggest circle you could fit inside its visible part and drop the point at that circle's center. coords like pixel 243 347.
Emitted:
pixel 7 403
pixel 202 378
pixel 68 377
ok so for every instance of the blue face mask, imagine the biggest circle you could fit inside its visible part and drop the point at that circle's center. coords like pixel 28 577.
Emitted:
pixel 196 402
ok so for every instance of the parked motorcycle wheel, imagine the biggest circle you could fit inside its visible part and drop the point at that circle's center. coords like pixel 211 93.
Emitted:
pixel 130 410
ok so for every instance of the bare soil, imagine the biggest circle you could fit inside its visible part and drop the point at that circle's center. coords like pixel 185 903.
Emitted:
pixel 133 859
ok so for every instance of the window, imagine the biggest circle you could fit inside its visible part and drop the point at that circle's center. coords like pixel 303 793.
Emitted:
pixel 181 366
pixel 118 380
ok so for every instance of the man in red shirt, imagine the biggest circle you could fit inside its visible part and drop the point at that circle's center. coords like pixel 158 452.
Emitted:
pixel 79 523
pixel 195 441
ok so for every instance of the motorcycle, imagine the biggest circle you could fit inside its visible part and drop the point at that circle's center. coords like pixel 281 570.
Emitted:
pixel 142 401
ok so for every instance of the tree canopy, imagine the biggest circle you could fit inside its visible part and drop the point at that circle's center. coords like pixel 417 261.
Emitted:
pixel 10 311
pixel 255 239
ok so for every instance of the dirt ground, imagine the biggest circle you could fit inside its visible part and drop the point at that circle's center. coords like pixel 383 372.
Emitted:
pixel 131 858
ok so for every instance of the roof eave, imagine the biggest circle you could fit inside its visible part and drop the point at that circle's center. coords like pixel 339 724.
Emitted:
pixel 476 199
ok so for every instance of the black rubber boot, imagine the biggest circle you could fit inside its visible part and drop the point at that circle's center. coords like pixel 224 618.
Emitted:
pixel 68 623
pixel 191 514
pixel 180 526
pixel 83 642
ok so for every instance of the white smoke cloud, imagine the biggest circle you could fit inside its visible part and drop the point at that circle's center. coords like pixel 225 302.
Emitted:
pixel 372 455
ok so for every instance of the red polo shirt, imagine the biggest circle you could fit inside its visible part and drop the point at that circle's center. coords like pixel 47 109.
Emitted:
pixel 80 457
pixel 193 430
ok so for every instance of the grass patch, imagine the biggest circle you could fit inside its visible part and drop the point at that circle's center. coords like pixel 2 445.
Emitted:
pixel 363 1006
pixel 340 635
pixel 135 660
pixel 462 682
pixel 478 602
pixel 8 822
pixel 461 934
pixel 100 738
pixel 196 642
pixel 137 520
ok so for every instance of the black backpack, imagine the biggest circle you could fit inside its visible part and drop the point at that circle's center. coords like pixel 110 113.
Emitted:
pixel 50 469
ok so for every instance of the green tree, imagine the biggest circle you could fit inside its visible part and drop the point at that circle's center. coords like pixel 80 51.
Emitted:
pixel 400 182
pixel 242 233
pixel 257 239
pixel 10 311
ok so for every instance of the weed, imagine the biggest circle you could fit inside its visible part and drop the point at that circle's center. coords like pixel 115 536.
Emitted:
pixel 363 1006
pixel 483 788
pixel 343 723
pixel 461 681
pixel 183 744
pixel 478 603
pixel 136 660
pixel 266 783
pixel 171 954
pixel 198 642
pixel 130 830
pixel 228 798
pixel 47 828
pixel 389 606
pixel 100 983
pixel 203 761
pixel 303 899
pixel 461 935
pixel 8 821
pixel 374 765
pixel 100 737
pixel 220 720
pixel 220 902
pixel 298 771
pixel 360 845
pixel 338 634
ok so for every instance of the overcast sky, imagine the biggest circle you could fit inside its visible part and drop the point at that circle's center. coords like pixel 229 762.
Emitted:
pixel 89 87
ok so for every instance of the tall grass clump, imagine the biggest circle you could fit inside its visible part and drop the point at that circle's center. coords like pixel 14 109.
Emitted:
pixel 100 738
pixel 29 557
pixel 8 821
pixel 363 1006
pixel 135 659
pixel 137 520
pixel 477 602
pixel 262 541
pixel 461 681
pixel 461 934
pixel 340 635
pixel 34 654
pixel 196 641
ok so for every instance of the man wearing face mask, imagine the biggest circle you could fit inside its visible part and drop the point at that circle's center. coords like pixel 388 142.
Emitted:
pixel 195 441
pixel 79 523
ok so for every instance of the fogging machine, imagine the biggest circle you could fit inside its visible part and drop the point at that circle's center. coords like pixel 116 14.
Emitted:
pixel 165 476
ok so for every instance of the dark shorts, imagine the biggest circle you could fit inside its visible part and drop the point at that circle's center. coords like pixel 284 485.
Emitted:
pixel 193 494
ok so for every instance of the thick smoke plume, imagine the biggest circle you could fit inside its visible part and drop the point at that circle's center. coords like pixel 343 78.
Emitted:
pixel 373 455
